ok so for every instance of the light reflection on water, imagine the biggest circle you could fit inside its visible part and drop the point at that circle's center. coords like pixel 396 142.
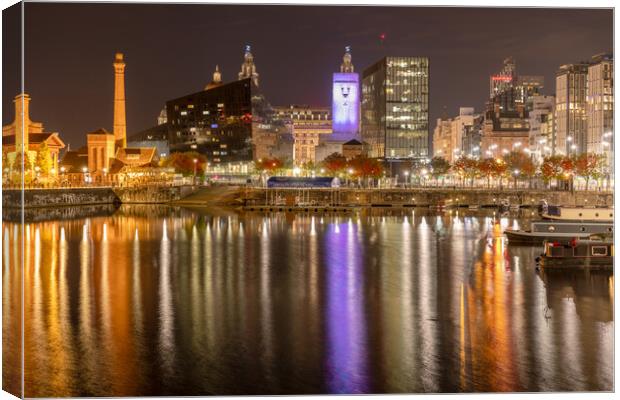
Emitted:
pixel 157 301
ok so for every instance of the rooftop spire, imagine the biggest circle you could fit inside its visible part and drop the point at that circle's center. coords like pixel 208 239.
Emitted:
pixel 217 76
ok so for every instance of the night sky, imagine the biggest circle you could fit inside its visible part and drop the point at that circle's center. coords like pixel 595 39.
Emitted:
pixel 172 50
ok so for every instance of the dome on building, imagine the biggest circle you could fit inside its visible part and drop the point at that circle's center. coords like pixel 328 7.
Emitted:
pixel 217 79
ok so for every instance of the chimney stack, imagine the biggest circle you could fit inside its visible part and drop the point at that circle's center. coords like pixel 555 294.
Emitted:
pixel 120 124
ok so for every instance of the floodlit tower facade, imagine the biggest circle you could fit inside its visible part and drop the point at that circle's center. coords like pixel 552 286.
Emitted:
pixel 346 101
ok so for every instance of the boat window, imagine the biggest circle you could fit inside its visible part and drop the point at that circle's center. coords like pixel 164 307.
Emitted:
pixel 580 251
pixel 610 229
pixel 551 228
pixel 599 250
pixel 581 214
pixel 611 215
pixel 582 229
pixel 596 215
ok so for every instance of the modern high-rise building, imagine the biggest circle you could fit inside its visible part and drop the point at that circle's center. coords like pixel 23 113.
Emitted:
pixel 525 86
pixel 395 98
pixel 600 106
pixel 570 107
pixel 216 122
pixel 505 79
pixel 345 101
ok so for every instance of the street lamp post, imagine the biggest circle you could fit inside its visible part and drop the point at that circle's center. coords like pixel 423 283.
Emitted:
pixel 195 163
pixel 516 174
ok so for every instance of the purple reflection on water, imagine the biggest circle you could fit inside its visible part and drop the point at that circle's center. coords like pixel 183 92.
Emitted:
pixel 347 362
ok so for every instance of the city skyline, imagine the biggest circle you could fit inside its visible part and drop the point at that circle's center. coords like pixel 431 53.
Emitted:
pixel 304 60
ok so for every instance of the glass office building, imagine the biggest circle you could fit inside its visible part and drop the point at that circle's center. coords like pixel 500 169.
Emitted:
pixel 395 108
pixel 225 122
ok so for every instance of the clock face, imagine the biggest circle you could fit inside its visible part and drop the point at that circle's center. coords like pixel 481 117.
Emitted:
pixel 345 91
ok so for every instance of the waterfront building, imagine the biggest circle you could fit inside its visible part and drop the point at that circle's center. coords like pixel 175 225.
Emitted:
pixel 450 132
pixel 600 106
pixel 395 95
pixel 306 135
pixel 506 125
pixel 542 129
pixel 570 107
pixel 353 148
pixel 156 136
pixel 472 137
pixel 248 69
pixel 345 101
pixel 288 114
pixel 23 133
pixel 307 125
pixel 215 122
pixel 232 124
pixel 443 145
pixel 101 150
pixel 326 148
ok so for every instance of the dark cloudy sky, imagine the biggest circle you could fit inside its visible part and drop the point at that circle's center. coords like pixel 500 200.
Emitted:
pixel 171 50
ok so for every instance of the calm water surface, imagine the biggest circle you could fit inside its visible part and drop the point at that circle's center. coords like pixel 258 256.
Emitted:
pixel 169 301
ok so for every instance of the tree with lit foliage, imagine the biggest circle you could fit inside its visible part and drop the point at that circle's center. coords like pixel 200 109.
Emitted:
pixel 589 166
pixel 364 167
pixel 23 160
pixel 335 163
pixel 308 167
pixel 489 168
pixel 183 162
pixel 439 168
pixel 44 159
pixel 466 168
pixel 520 164
pixel 269 165
pixel 552 167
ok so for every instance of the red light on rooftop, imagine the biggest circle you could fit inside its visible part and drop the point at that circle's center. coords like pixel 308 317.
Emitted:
pixel 502 78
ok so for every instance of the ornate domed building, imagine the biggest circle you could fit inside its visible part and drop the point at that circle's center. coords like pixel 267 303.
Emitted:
pixel 248 69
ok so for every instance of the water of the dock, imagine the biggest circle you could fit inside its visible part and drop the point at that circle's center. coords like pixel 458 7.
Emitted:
pixel 170 301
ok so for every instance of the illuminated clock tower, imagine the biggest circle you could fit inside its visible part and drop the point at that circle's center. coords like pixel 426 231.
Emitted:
pixel 345 100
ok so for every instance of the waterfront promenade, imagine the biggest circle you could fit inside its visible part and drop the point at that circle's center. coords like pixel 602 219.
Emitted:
pixel 258 198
